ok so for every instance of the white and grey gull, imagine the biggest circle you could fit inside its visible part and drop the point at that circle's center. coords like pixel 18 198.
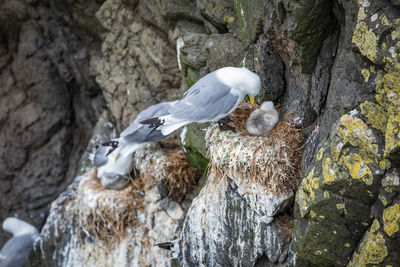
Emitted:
pixel 211 98
pixel 16 250
pixel 113 159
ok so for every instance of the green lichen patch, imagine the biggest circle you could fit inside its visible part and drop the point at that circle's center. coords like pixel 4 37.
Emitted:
pixel 365 39
pixel 372 249
pixel 320 241
pixel 334 193
pixel 375 115
pixel 388 96
pixel 391 219
pixel 194 144
pixel 306 193
pixel 356 132
pixel 249 13
pixel 376 35
pixel 357 168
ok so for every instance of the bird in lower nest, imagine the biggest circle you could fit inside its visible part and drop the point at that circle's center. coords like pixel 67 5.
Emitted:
pixel 15 252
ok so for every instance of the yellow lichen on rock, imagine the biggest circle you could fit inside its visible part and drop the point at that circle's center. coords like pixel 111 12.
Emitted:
pixel 388 89
pixel 315 183
pixel 375 115
pixel 392 136
pixel 388 95
pixel 391 219
pixel 372 249
pixel 384 20
pixel 327 172
pixel 306 193
pixel 355 132
pixel 385 164
pixel 366 40
pixel 357 168
pixel 320 153
pixel 366 74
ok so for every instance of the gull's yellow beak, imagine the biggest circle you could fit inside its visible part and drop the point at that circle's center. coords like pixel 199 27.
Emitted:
pixel 116 158
pixel 251 99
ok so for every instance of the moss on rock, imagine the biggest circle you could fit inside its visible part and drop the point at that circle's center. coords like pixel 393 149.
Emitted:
pixel 372 249
pixel 331 201
pixel 248 13
pixel 308 23
pixel 195 145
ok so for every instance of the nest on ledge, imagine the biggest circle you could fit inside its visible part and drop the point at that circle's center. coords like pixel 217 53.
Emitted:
pixel 180 175
pixel 105 214
pixel 272 160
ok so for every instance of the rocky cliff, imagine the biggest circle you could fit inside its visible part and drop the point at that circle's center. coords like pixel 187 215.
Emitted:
pixel 320 190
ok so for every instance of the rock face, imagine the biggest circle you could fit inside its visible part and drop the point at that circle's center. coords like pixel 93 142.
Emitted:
pixel 49 104
pixel 107 227
pixel 235 218
pixel 347 203
pixel 332 66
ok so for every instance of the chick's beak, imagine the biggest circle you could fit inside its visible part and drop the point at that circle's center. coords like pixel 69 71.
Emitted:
pixel 251 99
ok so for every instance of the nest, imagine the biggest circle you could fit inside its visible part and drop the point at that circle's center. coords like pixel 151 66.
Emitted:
pixel 240 115
pixel 272 160
pixel 181 176
pixel 104 214
pixel 286 224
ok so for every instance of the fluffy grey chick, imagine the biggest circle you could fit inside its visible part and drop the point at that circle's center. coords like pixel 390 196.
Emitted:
pixel 15 252
pixel 263 119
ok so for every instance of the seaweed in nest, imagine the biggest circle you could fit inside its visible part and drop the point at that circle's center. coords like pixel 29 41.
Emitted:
pixel 273 160
pixel 104 214
pixel 286 223
pixel 181 176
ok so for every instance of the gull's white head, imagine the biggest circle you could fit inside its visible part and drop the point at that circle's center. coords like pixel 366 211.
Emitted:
pixel 241 79
pixel 267 106
pixel 18 227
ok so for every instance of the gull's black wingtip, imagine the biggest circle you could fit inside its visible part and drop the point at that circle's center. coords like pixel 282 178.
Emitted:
pixel 112 144
pixel 165 245
pixel 154 122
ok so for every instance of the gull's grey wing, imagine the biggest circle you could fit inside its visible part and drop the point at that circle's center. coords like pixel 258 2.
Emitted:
pixel 139 133
pixel 206 100
pixel 100 156
pixel 15 251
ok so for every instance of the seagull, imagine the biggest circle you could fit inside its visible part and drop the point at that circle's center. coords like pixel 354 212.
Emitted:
pixel 263 119
pixel 113 159
pixel 211 98
pixel 15 252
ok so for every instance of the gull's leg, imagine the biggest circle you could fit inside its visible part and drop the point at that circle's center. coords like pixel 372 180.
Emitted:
pixel 223 124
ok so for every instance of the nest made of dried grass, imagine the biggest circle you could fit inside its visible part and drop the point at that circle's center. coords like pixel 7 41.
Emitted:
pixel 286 223
pixel 273 160
pixel 104 214
pixel 181 175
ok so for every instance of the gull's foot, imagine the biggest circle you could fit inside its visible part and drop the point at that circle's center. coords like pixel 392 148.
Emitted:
pixel 223 124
